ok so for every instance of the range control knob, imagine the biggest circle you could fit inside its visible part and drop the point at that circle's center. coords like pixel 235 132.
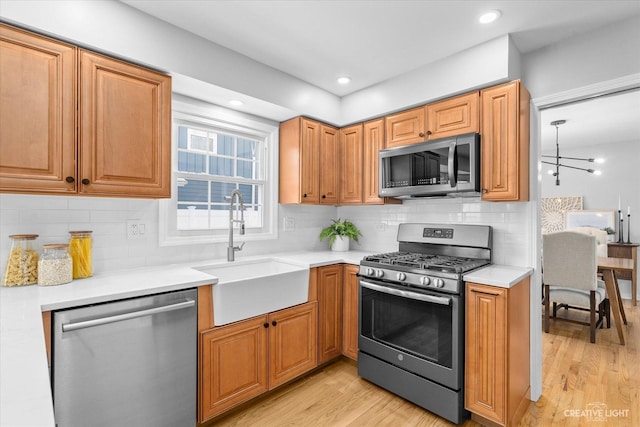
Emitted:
pixel 424 281
pixel 438 283
pixel 401 277
pixel 369 271
pixel 379 273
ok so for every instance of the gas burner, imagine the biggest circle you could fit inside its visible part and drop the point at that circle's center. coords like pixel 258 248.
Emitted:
pixel 421 261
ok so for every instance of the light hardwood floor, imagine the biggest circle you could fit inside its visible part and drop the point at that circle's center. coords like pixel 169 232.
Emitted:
pixel 577 376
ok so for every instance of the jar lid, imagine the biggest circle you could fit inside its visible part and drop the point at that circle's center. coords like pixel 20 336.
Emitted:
pixel 55 246
pixel 73 233
pixel 23 236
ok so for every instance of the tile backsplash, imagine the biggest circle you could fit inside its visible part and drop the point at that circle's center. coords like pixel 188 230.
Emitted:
pixel 53 216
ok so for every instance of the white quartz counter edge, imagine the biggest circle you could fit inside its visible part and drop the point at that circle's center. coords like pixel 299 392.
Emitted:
pixel 25 393
pixel 503 276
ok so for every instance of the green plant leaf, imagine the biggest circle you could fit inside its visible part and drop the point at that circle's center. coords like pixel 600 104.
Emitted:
pixel 340 228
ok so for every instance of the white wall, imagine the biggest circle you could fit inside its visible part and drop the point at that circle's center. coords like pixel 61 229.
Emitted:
pixel 51 217
pixel 604 54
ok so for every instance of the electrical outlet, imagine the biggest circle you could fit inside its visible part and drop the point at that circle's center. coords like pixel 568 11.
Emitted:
pixel 289 223
pixel 136 229
pixel 381 226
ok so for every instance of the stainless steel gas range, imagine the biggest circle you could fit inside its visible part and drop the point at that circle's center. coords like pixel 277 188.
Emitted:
pixel 411 314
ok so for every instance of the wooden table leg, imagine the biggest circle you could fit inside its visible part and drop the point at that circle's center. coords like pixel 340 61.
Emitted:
pixel 609 281
pixel 622 313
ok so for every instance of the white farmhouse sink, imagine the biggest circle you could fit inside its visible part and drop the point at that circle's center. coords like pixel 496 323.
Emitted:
pixel 251 288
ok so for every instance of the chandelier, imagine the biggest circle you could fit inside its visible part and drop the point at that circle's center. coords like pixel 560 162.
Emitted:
pixel 557 157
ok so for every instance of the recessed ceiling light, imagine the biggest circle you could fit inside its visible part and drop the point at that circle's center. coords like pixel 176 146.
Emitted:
pixel 236 103
pixel 489 16
pixel 344 80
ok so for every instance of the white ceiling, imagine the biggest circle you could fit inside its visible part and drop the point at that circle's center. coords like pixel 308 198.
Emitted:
pixel 372 41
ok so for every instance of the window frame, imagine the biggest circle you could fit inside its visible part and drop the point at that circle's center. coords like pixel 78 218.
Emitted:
pixel 188 110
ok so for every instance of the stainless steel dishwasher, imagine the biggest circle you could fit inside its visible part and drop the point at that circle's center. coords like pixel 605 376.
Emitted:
pixel 127 363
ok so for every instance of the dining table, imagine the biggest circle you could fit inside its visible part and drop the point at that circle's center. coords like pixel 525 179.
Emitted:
pixel 608 266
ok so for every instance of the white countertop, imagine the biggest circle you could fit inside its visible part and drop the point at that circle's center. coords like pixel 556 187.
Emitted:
pixel 503 276
pixel 25 392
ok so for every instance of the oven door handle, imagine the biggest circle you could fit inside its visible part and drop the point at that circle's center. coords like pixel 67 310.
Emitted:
pixel 406 294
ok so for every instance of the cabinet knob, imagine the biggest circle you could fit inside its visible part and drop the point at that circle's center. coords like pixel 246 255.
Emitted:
pixel 304 195
pixel 324 196
pixel 485 191
pixel 266 325
pixel 274 323
pixel 70 179
pixel 86 181
pixel 421 134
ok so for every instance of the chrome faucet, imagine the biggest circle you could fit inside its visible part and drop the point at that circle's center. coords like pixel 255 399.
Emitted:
pixel 231 250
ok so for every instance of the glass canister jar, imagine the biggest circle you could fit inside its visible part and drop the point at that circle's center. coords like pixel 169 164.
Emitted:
pixel 22 263
pixel 80 245
pixel 55 266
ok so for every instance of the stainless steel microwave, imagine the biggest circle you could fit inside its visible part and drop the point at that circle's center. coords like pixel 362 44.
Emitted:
pixel 431 168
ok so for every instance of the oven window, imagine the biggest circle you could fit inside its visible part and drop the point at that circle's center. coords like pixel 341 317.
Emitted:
pixel 421 328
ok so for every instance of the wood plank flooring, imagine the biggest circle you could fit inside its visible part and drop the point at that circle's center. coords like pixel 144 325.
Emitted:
pixel 577 376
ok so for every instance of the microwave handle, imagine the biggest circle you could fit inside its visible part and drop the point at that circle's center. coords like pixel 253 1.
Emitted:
pixel 453 179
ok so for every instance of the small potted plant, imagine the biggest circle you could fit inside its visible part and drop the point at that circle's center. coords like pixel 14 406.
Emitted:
pixel 610 234
pixel 339 233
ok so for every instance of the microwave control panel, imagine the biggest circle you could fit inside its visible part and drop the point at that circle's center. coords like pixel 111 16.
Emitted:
pixel 438 233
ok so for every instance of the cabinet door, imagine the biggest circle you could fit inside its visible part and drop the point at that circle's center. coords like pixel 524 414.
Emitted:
pixel 125 129
pixel 292 342
pixel 310 162
pixel 350 312
pixel 37 113
pixel 330 312
pixel 485 352
pixel 351 165
pixel 453 116
pixel 233 365
pixel 407 127
pixel 505 143
pixel 373 142
pixel 328 173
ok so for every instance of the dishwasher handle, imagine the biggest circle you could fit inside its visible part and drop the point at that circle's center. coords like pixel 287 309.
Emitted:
pixel 68 327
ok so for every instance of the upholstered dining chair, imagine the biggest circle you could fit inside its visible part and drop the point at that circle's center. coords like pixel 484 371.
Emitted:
pixel 570 268
pixel 601 238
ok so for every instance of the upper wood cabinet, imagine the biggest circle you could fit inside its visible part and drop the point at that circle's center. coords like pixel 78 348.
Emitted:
pixel 308 154
pixel 406 127
pixel 37 113
pixel 125 129
pixel 329 174
pixel 497 352
pixel 123 145
pixel 453 116
pixel 372 143
pixel 351 163
pixel 350 312
pixel 505 143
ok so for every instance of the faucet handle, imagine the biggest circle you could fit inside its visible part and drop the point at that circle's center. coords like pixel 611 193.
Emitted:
pixel 239 248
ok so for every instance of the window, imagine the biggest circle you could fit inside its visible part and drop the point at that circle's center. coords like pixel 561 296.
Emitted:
pixel 216 151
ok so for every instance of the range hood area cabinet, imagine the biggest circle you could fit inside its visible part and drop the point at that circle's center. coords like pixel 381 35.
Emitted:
pixel 505 143
pixel 308 158
pixel 123 112
pixel 449 117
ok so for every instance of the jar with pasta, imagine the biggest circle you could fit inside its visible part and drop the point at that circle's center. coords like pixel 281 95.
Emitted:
pixel 80 244
pixel 55 266
pixel 22 263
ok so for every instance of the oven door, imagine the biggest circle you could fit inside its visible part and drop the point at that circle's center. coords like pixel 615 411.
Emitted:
pixel 418 331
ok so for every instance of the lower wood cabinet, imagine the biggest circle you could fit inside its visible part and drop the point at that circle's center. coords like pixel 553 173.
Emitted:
pixel 244 359
pixel 329 312
pixel 350 312
pixel 497 378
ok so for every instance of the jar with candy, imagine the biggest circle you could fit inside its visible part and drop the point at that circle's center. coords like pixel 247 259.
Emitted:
pixel 55 266
pixel 22 263
pixel 80 245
